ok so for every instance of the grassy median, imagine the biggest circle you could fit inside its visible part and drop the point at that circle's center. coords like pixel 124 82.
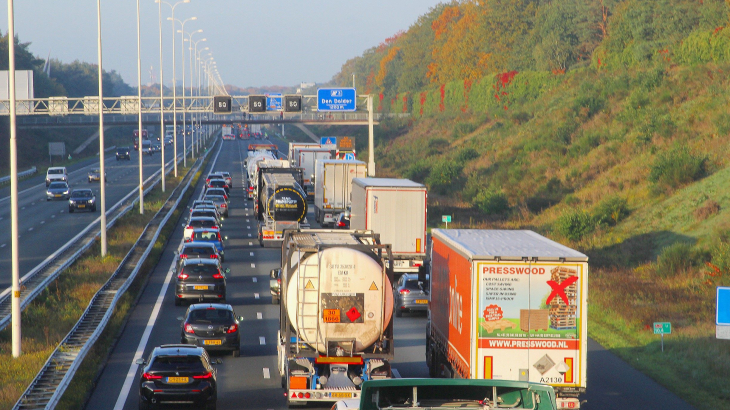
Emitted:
pixel 54 313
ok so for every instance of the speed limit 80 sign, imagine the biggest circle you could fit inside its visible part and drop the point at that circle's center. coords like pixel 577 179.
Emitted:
pixel 292 103
pixel 222 104
pixel 256 103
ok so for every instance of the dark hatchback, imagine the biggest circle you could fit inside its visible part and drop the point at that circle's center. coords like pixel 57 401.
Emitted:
pixel 123 153
pixel 219 183
pixel 213 326
pixel 199 279
pixel 82 199
pixel 202 250
pixel 177 375
pixel 410 294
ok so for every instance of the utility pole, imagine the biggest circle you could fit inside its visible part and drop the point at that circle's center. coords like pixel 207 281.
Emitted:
pixel 15 302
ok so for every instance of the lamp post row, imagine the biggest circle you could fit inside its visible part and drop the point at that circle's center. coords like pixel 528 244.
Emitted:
pixel 15 280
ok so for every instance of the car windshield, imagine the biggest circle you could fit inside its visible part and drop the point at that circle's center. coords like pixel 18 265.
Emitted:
pixel 213 316
pixel 57 185
pixel 175 363
pixel 201 268
pixel 82 194
pixel 123 149
pixel 96 171
pixel 55 171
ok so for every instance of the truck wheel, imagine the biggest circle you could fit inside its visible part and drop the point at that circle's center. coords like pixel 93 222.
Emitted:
pixel 432 372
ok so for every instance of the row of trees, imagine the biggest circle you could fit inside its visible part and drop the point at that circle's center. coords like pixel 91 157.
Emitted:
pixel 76 79
pixel 471 39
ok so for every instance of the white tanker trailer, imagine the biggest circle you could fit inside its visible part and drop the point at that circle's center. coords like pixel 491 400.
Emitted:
pixel 336 314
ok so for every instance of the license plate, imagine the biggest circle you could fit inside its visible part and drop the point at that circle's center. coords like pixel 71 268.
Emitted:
pixel 331 316
pixel 82 206
pixel 422 301
pixel 200 287
pixel 177 379
pixel 58 195
pixel 341 395
pixel 211 342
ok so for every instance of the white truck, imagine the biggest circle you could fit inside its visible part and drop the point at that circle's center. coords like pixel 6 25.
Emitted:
pixel 226 130
pixel 508 305
pixel 307 158
pixel 397 210
pixel 298 145
pixel 336 314
pixel 333 183
pixel 281 204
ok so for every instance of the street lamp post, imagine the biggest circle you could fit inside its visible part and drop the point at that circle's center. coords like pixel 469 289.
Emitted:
pixel 139 121
pixel 102 169
pixel 174 85
pixel 182 48
pixel 163 137
pixel 190 58
pixel 198 69
pixel 192 122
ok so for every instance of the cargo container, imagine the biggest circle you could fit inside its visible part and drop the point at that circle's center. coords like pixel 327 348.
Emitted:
pixel 397 210
pixel 307 158
pixel 509 305
pixel 281 205
pixel 298 145
pixel 333 183
pixel 336 314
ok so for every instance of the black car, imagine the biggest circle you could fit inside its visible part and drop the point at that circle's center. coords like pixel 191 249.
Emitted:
pixel 123 153
pixel 219 183
pixel 199 279
pixel 213 326
pixel 202 250
pixel 82 199
pixel 206 212
pixel 178 374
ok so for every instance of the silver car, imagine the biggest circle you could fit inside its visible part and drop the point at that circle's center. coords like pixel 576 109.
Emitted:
pixel 410 294
pixel 220 203
pixel 57 190
pixel 95 175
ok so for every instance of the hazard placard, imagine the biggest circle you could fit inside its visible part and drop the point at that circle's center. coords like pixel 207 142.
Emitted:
pixel 309 285
pixel 331 315
pixel 373 286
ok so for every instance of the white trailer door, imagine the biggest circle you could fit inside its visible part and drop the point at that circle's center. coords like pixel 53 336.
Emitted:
pixel 399 216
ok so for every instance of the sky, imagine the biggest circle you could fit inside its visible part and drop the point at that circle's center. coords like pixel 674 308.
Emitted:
pixel 254 42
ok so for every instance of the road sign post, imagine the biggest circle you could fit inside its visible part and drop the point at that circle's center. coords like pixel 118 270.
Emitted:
pixel 446 219
pixel 662 328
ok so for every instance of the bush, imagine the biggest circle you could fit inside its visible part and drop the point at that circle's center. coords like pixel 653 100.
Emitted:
pixel 491 202
pixel 720 254
pixel 611 211
pixel 418 171
pixel 463 128
pixel 467 154
pixel 677 167
pixel 443 176
pixel 574 224
pixel 676 258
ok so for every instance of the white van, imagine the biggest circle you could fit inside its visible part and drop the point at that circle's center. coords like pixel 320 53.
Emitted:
pixel 55 174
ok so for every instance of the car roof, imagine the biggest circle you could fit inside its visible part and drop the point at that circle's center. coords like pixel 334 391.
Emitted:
pixel 202 218
pixel 198 243
pixel 55 168
pixel 221 197
pixel 58 182
pixel 81 190
pixel 206 229
pixel 200 261
pixel 178 350
pixel 222 306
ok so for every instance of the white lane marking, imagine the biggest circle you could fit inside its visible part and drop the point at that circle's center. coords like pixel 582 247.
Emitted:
pixel 124 393
pixel 248 227
pixel 42 222
pixel 1 218
pixel 30 229
pixel 251 252
pixel 3 245
pixel 32 203
pixel 61 211
pixel 262 340
pixel 267 373
pixel 255 295
pixel 255 280
pixel 249 235
pixel 253 265
pixel 22 208
pixel 250 244
pixel 396 374
pixel 248 220
pixel 53 216
pixel 259 315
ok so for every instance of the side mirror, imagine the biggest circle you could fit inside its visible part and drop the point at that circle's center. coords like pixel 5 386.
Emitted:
pixel 139 362
pixel 240 318
pixel 228 270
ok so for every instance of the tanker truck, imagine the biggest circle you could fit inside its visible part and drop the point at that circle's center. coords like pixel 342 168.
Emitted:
pixel 508 305
pixel 336 325
pixel 252 167
pixel 281 204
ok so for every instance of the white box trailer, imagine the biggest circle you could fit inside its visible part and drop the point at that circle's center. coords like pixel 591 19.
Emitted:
pixel 307 158
pixel 508 305
pixel 397 210
pixel 333 183
pixel 296 145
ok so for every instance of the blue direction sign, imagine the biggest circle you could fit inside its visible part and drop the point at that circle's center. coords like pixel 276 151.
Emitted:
pixel 349 156
pixel 273 102
pixel 336 99
pixel 723 306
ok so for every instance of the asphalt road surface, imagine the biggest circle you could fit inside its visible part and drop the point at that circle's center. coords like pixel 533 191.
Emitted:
pixel 252 380
pixel 45 226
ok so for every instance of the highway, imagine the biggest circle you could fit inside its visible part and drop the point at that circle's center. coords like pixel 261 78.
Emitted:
pixel 252 381
pixel 44 226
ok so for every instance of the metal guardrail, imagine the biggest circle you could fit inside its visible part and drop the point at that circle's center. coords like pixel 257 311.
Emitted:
pixel 20 175
pixel 51 382
pixel 35 281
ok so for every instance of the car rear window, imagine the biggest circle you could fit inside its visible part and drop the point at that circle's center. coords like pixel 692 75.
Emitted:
pixel 217 182
pixel 216 198
pixel 201 223
pixel 206 236
pixel 200 269
pixel 412 284
pixel 176 363
pixel 198 250
pixel 206 213
pixel 214 316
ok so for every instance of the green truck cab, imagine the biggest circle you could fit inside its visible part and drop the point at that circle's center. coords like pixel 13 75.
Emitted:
pixel 452 394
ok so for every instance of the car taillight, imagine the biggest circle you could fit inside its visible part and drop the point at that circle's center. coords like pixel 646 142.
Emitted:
pixel 232 329
pixel 188 227
pixel 214 256
pixel 147 376
pixel 183 256
pixel 250 188
pixel 404 291
pixel 224 206
pixel 218 275
pixel 183 276
pixel 340 224
pixel 204 376
pixel 189 328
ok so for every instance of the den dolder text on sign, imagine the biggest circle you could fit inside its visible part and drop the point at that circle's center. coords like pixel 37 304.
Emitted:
pixel 336 99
